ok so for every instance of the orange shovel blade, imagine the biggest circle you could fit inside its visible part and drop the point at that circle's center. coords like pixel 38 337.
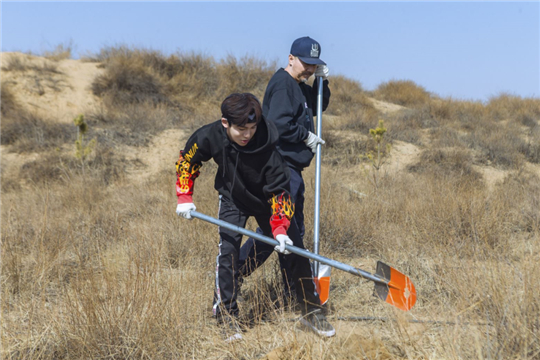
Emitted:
pixel 323 288
pixel 322 282
pixel 399 291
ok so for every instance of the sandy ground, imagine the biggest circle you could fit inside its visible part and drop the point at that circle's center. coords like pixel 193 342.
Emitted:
pixel 385 107
pixel 61 95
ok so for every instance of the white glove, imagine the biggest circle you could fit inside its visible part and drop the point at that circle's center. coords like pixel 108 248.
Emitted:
pixel 322 71
pixel 185 210
pixel 283 240
pixel 312 140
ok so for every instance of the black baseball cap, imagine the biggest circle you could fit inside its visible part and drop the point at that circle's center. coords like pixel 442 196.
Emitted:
pixel 307 50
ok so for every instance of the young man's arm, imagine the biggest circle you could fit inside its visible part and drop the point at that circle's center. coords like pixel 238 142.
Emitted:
pixel 276 191
pixel 186 173
pixel 282 213
pixel 189 164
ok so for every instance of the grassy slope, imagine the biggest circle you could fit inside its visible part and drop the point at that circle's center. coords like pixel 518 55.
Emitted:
pixel 95 263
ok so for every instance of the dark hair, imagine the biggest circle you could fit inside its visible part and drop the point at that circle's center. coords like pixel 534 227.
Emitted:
pixel 240 109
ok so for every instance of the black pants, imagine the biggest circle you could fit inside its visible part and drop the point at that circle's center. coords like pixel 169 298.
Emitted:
pixel 228 266
pixel 257 258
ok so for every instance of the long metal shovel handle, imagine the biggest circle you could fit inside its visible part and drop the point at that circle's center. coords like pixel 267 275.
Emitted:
pixel 390 285
pixel 318 178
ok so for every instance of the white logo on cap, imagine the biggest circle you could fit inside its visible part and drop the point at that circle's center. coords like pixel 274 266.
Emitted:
pixel 314 50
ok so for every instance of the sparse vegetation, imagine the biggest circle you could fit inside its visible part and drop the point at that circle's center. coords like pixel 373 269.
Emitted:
pixel 356 112
pixel 27 132
pixel 60 52
pixel 185 80
pixel 9 103
pixel 402 92
pixel 97 264
pixel 20 64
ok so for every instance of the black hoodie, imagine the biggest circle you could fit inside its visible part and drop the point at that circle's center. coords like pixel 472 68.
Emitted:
pixel 291 106
pixel 248 175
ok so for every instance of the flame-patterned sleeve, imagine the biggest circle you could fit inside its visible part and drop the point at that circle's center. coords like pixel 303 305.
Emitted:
pixel 282 213
pixel 186 173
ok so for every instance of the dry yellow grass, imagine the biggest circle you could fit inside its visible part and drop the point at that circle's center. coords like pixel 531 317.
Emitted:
pixel 100 266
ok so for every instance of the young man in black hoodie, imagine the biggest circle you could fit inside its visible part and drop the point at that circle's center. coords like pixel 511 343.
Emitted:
pixel 252 180
pixel 290 104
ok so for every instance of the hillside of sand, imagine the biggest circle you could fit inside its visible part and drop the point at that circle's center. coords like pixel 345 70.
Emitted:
pixel 61 90
pixel 104 268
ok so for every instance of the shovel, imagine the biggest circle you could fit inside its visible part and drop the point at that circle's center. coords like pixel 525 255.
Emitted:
pixel 321 272
pixel 390 285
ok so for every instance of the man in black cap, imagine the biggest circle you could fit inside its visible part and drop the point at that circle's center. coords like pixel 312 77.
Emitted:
pixel 291 104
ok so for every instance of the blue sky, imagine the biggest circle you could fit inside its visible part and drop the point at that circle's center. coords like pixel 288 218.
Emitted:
pixel 463 50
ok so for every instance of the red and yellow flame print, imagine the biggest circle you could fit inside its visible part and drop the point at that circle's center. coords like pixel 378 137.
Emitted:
pixel 282 206
pixel 185 176
pixel 282 213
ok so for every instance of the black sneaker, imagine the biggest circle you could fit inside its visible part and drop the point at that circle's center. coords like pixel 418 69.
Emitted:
pixel 316 322
pixel 231 331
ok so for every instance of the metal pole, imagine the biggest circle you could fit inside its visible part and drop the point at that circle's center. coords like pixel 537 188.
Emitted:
pixel 292 249
pixel 318 177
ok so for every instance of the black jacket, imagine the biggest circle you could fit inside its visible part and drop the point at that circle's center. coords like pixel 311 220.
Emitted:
pixel 291 106
pixel 251 175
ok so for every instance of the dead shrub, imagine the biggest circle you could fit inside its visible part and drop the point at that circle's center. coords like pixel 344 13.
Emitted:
pixel 103 166
pixel 191 83
pixel 347 96
pixel 49 168
pixel 406 125
pixel 139 75
pixel 531 147
pixel 520 195
pixel 60 52
pixel 28 132
pixel 529 113
pixel 456 113
pixel 195 82
pixel 246 74
pixel 132 124
pixel 39 66
pixel 9 184
pixel 510 107
pixel 442 109
pixel 448 163
pixel 127 82
pixel 470 115
pixel 350 103
pixel 497 145
pixel 445 136
pixel 402 92
pixel 514 311
pixel 9 103
pixel 340 151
